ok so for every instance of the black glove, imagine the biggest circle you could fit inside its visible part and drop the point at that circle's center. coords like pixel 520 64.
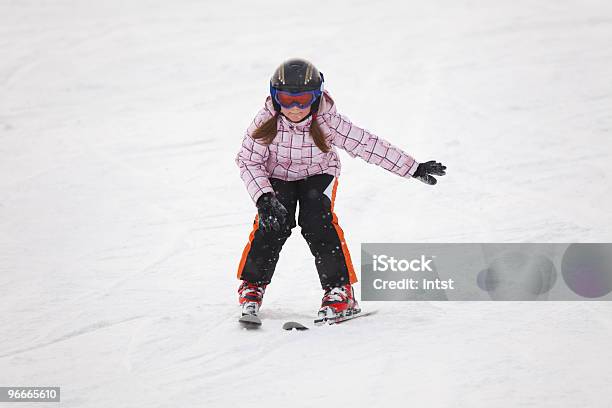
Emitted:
pixel 424 171
pixel 272 214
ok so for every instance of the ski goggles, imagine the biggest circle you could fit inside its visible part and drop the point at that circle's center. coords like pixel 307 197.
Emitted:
pixel 288 99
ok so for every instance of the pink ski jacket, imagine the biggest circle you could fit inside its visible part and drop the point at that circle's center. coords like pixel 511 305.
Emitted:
pixel 293 155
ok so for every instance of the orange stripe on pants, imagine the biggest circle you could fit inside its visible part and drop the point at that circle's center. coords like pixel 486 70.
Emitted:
pixel 247 248
pixel 345 250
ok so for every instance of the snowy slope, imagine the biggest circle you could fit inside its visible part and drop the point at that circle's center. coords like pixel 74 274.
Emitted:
pixel 123 217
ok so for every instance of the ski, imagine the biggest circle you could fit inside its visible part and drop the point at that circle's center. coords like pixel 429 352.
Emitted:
pixel 294 326
pixel 321 322
pixel 341 319
pixel 250 322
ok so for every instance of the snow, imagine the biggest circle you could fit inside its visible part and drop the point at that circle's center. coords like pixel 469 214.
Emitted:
pixel 123 217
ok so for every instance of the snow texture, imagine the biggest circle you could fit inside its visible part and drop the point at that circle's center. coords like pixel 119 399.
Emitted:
pixel 123 216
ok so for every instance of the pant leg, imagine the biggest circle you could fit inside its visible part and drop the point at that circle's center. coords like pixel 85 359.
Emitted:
pixel 261 253
pixel 322 232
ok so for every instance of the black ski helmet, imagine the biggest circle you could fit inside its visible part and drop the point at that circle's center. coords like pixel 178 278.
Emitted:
pixel 297 75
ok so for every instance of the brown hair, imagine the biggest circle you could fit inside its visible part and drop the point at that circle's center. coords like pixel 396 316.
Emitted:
pixel 267 132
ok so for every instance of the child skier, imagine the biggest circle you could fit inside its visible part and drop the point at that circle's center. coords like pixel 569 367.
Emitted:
pixel 288 156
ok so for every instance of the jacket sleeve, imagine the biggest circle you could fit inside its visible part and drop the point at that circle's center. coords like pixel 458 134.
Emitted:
pixel 358 142
pixel 251 159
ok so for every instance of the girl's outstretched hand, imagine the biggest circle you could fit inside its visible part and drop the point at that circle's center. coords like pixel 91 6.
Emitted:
pixel 272 214
pixel 425 170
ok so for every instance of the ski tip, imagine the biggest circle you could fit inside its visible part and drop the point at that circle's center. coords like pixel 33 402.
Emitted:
pixel 250 322
pixel 294 326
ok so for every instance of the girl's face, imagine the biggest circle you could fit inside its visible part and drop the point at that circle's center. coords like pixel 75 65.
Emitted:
pixel 295 114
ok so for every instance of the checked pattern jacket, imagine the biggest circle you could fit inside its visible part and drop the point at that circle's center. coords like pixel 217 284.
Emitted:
pixel 293 155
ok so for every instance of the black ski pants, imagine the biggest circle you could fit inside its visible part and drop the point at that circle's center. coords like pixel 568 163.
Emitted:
pixel 319 227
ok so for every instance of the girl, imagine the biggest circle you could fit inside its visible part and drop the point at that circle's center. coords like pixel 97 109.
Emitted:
pixel 288 155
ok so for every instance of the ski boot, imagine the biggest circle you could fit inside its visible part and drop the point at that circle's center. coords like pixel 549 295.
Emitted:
pixel 250 297
pixel 338 304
